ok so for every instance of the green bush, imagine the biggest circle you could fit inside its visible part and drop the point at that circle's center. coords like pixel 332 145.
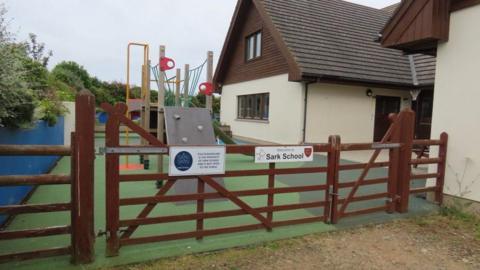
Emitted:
pixel 17 101
pixel 72 74
pixel 27 91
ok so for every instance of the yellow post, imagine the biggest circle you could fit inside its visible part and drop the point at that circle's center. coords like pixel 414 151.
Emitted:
pixel 146 56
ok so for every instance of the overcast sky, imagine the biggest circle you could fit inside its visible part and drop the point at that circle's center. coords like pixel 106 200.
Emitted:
pixel 95 33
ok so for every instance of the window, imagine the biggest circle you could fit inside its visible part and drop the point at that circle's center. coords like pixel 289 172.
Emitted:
pixel 253 107
pixel 253 48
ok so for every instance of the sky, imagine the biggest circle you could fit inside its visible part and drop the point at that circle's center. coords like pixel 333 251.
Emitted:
pixel 95 33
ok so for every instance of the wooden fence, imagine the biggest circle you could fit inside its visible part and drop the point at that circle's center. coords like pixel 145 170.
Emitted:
pixel 80 179
pixel 398 141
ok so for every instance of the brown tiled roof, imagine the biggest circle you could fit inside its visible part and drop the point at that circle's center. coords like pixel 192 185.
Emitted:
pixel 335 39
pixel 390 9
pixel 426 67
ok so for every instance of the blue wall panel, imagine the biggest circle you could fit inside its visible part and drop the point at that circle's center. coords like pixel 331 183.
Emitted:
pixel 41 134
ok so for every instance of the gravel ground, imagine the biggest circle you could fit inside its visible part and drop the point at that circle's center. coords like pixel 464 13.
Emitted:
pixel 449 241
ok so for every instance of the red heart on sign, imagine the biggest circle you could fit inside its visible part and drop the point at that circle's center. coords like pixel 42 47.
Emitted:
pixel 308 152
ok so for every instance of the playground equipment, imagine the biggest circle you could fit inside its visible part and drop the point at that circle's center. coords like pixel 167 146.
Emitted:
pixel 189 126
pixel 172 91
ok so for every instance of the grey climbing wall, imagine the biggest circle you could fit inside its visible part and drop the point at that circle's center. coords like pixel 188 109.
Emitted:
pixel 189 126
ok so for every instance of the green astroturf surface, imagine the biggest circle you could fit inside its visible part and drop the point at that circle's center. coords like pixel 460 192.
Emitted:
pixel 146 252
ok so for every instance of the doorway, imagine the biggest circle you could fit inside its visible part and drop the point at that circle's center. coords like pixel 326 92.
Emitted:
pixel 384 106
pixel 423 108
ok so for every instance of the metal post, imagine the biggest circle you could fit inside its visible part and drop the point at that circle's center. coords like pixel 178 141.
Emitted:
pixel 83 162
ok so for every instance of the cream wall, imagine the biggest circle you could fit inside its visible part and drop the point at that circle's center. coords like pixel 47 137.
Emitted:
pixel 69 126
pixel 456 108
pixel 286 110
pixel 344 110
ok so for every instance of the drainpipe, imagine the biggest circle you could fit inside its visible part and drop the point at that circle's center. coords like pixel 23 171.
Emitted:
pixel 306 85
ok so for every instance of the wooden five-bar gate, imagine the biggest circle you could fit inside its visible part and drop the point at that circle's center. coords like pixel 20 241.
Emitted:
pixel 398 140
pixel 338 193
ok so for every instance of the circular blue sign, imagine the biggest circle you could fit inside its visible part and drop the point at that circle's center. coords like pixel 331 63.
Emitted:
pixel 183 161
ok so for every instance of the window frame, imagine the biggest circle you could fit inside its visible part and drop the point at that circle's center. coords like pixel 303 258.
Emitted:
pixel 255 36
pixel 252 107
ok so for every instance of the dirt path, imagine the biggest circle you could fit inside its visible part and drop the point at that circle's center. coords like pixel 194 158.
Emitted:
pixel 435 242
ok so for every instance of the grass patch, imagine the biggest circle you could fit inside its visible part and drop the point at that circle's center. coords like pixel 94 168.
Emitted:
pixel 461 219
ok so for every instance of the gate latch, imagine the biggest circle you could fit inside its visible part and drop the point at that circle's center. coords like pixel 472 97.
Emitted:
pixel 133 150
pixel 103 233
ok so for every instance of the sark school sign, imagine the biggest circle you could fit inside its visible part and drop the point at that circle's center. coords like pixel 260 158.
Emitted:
pixel 283 154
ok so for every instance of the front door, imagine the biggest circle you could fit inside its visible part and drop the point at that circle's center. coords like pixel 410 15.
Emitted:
pixel 423 108
pixel 384 106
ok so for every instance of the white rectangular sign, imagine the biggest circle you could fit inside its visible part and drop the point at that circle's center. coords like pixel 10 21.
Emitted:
pixel 283 154
pixel 196 160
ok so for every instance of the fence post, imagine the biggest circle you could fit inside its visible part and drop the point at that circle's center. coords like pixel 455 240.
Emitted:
pixel 441 167
pixel 393 167
pixel 333 177
pixel 112 191
pixel 271 198
pixel 83 159
pixel 200 206
pixel 406 133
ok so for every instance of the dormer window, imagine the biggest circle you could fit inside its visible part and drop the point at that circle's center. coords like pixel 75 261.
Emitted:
pixel 253 47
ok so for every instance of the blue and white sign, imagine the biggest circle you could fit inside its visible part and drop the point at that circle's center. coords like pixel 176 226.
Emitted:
pixel 197 160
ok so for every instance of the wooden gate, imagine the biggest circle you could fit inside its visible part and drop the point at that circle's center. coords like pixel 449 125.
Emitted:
pixel 80 179
pixel 398 141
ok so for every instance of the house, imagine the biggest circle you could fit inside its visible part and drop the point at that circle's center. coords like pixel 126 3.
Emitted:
pixel 449 30
pixel 299 71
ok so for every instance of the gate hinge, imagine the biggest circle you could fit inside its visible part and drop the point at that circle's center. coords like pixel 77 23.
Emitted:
pixel 393 200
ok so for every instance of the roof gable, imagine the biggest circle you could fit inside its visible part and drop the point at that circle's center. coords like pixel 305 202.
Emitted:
pixel 244 11
pixel 332 40
pixel 417 22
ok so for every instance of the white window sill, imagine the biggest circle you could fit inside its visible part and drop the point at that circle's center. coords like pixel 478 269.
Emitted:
pixel 253 121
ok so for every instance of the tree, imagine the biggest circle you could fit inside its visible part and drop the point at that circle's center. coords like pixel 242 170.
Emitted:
pixel 73 74
pixel 17 103
pixel 5 35
pixel 200 101
pixel 36 50
pixel 24 81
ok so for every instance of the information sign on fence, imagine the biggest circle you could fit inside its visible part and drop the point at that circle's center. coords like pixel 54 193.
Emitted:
pixel 201 160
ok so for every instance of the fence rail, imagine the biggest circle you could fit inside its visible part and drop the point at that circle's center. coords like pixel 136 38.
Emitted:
pixel 394 197
pixel 80 180
pixel 440 162
pixel 34 150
